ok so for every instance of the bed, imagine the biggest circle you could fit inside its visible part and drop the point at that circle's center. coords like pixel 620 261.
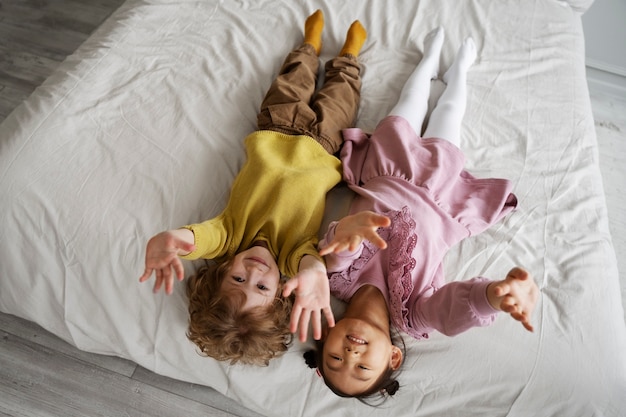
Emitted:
pixel 142 128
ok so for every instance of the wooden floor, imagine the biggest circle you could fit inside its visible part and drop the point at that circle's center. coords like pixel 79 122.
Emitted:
pixel 40 375
pixel 36 35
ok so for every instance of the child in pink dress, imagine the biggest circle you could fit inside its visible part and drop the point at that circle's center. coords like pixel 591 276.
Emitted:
pixel 412 195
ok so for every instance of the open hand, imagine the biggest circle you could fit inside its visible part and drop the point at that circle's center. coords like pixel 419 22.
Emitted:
pixel 312 298
pixel 351 230
pixel 517 295
pixel 162 257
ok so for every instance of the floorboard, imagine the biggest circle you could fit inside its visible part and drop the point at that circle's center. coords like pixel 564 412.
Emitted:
pixel 41 375
pixel 36 36
pixel 33 333
pixel 45 382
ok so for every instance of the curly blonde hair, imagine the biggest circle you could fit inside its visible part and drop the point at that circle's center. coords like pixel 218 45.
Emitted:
pixel 221 330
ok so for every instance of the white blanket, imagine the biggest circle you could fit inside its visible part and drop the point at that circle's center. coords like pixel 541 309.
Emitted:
pixel 141 130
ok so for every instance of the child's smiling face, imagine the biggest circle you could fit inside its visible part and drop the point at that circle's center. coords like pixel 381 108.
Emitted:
pixel 255 272
pixel 356 354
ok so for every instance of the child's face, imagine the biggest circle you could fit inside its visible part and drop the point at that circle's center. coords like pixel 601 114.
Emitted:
pixel 356 354
pixel 255 272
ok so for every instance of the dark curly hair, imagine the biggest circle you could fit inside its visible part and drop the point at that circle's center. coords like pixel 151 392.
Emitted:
pixel 221 330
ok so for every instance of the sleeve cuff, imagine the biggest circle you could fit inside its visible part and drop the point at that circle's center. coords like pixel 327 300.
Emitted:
pixel 196 253
pixel 478 298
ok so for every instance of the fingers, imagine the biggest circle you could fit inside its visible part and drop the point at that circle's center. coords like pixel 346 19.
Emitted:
pixel 178 269
pixel 377 240
pixel 316 322
pixel 304 326
pixel 167 279
pixel 146 275
pixel 516 312
pixel 520 293
pixel 295 318
pixel 354 229
pixel 158 281
pixel 169 283
pixel 327 249
pixel 518 273
pixel 164 276
pixel 316 316
pixel 333 247
pixel 289 287
pixel 330 318
pixel 528 326
pixel 354 243
pixel 162 258
pixel 523 318
pixel 502 289
pixel 300 319
pixel 339 245
pixel 184 247
pixel 381 220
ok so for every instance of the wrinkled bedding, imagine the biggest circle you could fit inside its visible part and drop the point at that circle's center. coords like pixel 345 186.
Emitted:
pixel 142 129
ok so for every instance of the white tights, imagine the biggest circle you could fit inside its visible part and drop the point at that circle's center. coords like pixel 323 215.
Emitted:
pixel 447 116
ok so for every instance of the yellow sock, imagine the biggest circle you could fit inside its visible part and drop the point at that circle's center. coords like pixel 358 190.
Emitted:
pixel 354 40
pixel 313 30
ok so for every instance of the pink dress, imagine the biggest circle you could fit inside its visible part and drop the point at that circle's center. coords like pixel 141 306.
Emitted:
pixel 433 204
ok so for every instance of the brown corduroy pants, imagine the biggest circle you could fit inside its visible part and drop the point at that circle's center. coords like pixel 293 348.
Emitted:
pixel 292 105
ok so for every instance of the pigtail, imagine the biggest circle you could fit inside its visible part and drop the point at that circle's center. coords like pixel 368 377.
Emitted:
pixel 310 358
pixel 391 387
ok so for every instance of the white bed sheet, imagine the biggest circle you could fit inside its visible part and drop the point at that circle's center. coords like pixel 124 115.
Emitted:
pixel 141 130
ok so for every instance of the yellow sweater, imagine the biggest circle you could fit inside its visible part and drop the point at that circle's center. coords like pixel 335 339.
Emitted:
pixel 278 197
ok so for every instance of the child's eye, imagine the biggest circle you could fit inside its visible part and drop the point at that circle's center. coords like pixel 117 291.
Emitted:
pixel 337 358
pixel 262 287
pixel 363 367
pixel 238 279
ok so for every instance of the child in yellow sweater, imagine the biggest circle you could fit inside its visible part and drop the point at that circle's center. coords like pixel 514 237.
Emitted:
pixel 240 308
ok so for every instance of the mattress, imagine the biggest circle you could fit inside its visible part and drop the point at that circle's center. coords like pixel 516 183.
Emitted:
pixel 142 128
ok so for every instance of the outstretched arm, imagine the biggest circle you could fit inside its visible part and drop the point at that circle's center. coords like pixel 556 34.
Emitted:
pixel 516 294
pixel 353 229
pixel 162 256
pixel 312 298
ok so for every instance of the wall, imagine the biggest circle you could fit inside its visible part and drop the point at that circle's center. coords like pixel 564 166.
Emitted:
pixel 604 25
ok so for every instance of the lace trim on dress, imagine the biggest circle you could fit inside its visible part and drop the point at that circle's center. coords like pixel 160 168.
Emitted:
pixel 401 239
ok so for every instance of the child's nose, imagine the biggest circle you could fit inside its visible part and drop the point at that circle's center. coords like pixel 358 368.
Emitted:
pixel 353 350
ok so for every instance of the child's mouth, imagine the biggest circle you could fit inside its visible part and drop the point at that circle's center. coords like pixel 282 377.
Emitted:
pixel 356 340
pixel 258 260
